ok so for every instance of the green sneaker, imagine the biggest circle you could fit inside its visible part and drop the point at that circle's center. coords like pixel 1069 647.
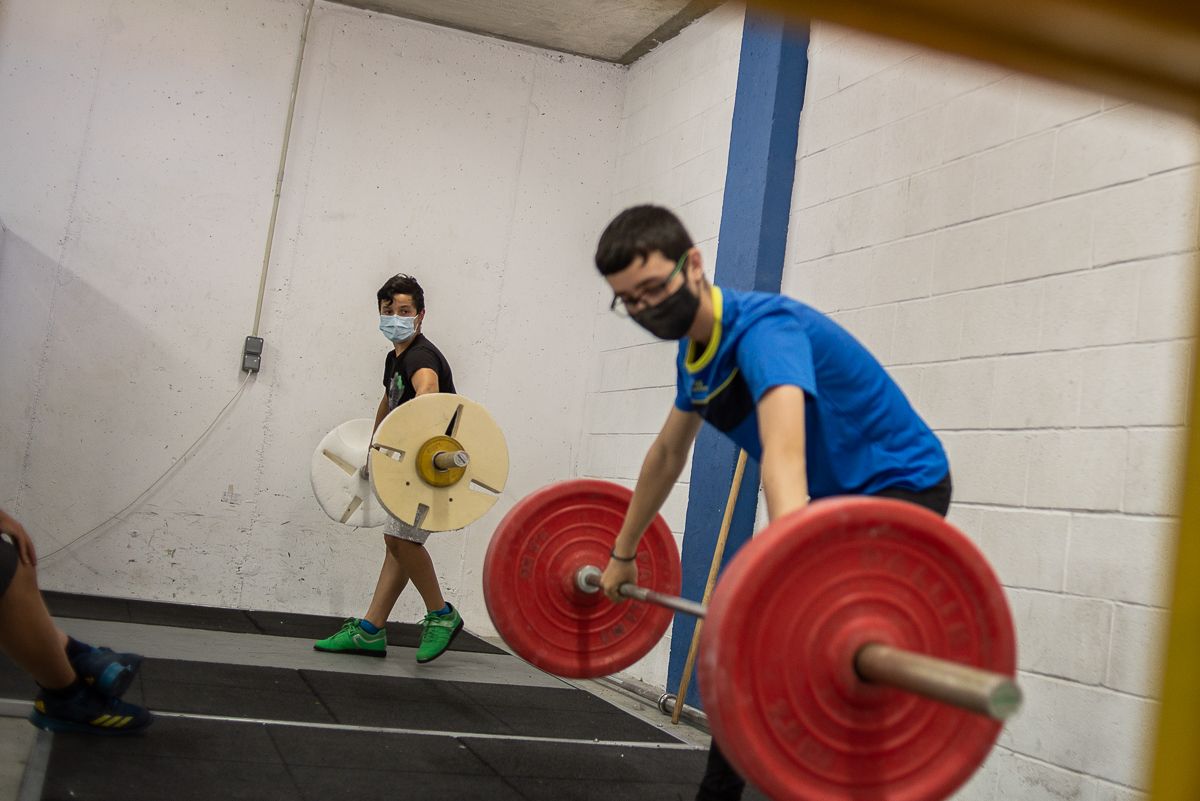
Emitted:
pixel 437 632
pixel 352 639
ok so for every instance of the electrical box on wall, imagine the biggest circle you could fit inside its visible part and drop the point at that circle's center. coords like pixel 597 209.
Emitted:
pixel 252 354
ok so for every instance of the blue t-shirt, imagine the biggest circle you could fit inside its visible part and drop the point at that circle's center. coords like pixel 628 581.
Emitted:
pixel 862 434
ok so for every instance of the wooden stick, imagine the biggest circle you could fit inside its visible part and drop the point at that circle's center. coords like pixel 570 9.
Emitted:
pixel 713 569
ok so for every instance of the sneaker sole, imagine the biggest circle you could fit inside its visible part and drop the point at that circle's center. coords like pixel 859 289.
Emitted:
pixel 57 725
pixel 449 642
pixel 352 651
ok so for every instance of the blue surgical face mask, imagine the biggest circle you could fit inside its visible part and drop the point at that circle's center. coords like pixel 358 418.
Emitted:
pixel 397 329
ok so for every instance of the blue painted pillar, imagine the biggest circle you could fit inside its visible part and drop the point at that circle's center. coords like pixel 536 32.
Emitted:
pixel 754 226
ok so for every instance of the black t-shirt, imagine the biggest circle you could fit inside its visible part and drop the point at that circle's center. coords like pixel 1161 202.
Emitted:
pixel 398 372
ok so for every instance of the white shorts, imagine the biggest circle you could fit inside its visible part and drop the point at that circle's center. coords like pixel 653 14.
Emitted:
pixel 395 527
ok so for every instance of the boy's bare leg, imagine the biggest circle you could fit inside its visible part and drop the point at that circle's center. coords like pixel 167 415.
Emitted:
pixel 28 634
pixel 418 566
pixel 392 580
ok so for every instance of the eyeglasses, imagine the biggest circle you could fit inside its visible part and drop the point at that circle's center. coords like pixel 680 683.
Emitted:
pixel 650 296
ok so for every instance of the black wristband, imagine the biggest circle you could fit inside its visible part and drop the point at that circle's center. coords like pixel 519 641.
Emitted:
pixel 613 554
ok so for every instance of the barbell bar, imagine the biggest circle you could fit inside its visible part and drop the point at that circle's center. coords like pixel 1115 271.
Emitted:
pixel 587 579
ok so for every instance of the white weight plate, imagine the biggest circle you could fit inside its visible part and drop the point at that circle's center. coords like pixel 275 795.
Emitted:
pixel 342 493
pixel 394 475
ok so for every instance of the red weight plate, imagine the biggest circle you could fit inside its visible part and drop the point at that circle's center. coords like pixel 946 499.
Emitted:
pixel 786 619
pixel 529 580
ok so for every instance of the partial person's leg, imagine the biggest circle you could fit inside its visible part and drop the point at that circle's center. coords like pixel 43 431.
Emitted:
pixel 721 782
pixel 443 622
pixel 415 561
pixel 31 639
pixel 368 636
pixel 392 580
pixel 27 633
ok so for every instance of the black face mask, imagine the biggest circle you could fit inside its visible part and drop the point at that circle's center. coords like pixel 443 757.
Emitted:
pixel 671 318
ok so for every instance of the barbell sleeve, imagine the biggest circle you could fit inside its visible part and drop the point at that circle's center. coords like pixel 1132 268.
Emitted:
pixel 448 460
pixel 993 695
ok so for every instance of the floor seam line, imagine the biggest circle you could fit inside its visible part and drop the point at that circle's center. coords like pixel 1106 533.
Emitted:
pixel 463 742
pixel 299 793
pixel 320 699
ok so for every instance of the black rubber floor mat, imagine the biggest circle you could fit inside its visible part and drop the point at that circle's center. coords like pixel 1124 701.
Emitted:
pixel 182 759
pixel 573 772
pixel 473 706
pixel 239 691
pixel 176 759
pixel 311 696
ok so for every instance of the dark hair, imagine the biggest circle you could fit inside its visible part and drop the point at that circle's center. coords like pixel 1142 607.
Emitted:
pixel 636 233
pixel 401 284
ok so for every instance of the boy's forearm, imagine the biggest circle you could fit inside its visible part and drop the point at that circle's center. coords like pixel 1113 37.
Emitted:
pixel 785 482
pixel 380 413
pixel 658 475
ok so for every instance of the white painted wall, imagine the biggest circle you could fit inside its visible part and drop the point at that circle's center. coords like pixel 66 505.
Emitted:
pixel 137 151
pixel 136 175
pixel 1022 258
pixel 674 145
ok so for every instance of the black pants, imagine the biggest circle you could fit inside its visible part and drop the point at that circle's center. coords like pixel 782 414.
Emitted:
pixel 721 782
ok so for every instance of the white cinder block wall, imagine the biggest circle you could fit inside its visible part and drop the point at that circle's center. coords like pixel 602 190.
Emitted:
pixel 1022 258
pixel 674 145
pixel 139 142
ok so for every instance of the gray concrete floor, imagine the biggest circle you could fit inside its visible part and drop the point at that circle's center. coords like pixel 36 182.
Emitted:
pixel 297 654
pixel 16 744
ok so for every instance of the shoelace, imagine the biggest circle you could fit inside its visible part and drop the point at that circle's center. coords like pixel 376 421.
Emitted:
pixel 434 621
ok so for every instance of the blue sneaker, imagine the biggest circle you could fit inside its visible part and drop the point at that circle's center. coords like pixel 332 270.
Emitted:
pixel 89 712
pixel 107 672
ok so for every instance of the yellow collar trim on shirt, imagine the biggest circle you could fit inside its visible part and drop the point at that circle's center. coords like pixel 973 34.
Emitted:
pixel 694 364
pixel 724 385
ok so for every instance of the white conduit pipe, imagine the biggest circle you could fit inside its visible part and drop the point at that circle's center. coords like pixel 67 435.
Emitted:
pixel 283 151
